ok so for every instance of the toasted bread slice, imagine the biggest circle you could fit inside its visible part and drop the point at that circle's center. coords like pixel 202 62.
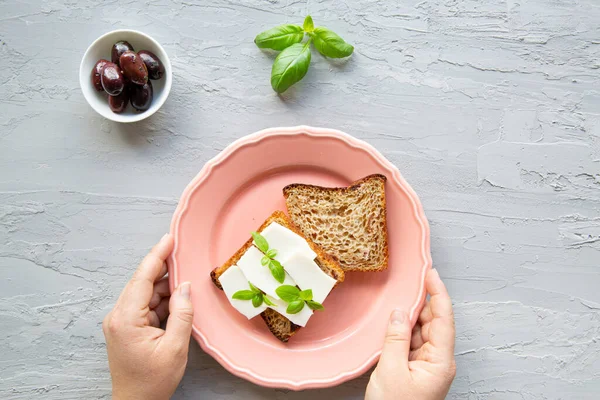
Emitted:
pixel 279 325
pixel 348 223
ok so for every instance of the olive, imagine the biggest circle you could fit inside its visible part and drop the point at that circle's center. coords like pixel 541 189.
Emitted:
pixel 141 96
pixel 112 79
pixel 118 103
pixel 156 69
pixel 96 72
pixel 119 48
pixel 134 68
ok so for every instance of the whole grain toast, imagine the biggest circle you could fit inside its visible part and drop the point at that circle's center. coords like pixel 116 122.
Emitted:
pixel 348 223
pixel 279 325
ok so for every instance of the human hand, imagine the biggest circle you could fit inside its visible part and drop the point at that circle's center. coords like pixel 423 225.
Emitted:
pixel 145 361
pixel 419 366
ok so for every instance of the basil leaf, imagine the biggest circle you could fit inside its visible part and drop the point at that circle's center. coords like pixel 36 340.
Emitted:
pixel 272 253
pixel 277 271
pixel 308 26
pixel 279 37
pixel 254 288
pixel 315 305
pixel 243 295
pixel 257 300
pixel 295 307
pixel 268 301
pixel 288 293
pixel 330 44
pixel 265 260
pixel 260 242
pixel 306 294
pixel 290 66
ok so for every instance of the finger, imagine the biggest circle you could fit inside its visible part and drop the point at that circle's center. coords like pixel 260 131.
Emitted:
pixel 426 315
pixel 159 313
pixel 153 264
pixel 138 292
pixel 425 332
pixel 396 346
pixel 162 310
pixel 416 354
pixel 439 301
pixel 161 290
pixel 416 340
pixel 441 329
pixel 179 324
pixel 153 319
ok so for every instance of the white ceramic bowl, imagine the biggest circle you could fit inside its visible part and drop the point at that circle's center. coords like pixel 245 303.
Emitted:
pixel 101 48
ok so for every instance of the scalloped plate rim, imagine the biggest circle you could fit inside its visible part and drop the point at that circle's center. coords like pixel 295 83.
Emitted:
pixel 253 139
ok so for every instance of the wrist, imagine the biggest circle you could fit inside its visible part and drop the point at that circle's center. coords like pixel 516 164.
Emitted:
pixel 119 393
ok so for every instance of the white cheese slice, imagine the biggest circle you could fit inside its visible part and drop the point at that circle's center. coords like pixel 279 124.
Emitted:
pixel 286 242
pixel 308 275
pixel 260 275
pixel 233 280
pixel 300 318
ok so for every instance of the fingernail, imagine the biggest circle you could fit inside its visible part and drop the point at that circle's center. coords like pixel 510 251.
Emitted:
pixel 184 290
pixel 398 317
pixel 166 235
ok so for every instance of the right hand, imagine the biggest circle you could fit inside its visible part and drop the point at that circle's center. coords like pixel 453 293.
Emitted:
pixel 420 365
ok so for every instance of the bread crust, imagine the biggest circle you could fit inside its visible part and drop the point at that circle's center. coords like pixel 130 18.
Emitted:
pixel 353 186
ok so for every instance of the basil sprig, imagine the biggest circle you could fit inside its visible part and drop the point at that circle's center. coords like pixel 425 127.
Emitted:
pixel 255 294
pixel 269 258
pixel 297 298
pixel 292 64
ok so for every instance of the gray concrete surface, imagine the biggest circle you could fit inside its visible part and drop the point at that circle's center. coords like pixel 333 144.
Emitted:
pixel 490 109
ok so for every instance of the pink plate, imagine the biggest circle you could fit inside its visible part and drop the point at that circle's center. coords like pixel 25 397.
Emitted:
pixel 232 195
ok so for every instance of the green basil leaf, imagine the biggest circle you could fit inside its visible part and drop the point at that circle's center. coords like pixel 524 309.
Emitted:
pixel 279 37
pixel 306 294
pixel 290 66
pixel 308 26
pixel 254 288
pixel 268 301
pixel 272 253
pixel 265 260
pixel 288 293
pixel 257 300
pixel 295 307
pixel 330 44
pixel 260 242
pixel 315 305
pixel 277 271
pixel 243 295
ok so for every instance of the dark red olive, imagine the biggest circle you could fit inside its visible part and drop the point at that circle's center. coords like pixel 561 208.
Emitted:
pixel 96 72
pixel 155 67
pixel 119 48
pixel 141 96
pixel 112 79
pixel 134 68
pixel 118 104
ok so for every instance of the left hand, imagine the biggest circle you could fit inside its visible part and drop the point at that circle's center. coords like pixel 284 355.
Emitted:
pixel 145 361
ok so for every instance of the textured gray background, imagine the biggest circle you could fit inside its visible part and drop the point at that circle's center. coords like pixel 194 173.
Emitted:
pixel 489 108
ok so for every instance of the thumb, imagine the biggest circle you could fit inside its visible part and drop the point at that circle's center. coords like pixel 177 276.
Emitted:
pixel 179 324
pixel 396 345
